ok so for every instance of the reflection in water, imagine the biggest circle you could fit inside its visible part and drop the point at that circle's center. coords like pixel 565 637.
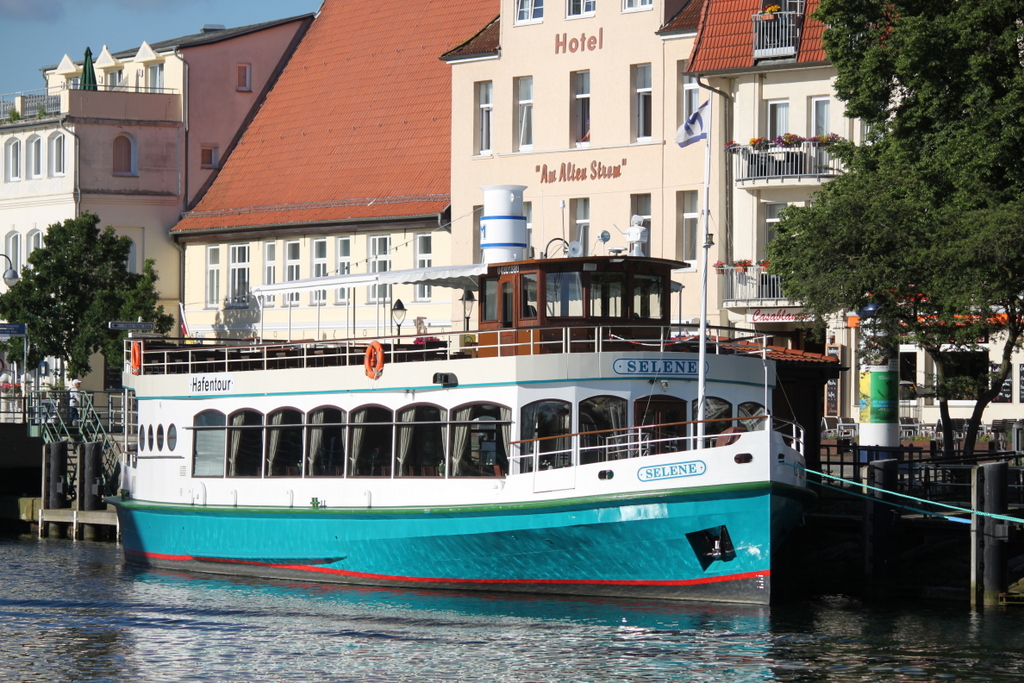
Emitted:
pixel 73 612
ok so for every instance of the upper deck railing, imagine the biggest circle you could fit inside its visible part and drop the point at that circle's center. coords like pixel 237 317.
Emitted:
pixel 193 356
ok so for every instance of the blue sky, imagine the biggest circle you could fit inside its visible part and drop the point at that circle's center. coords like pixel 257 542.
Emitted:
pixel 37 33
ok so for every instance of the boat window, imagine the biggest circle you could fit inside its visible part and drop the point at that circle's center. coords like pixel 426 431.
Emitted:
pixel 489 299
pixel 480 436
pixel 667 417
pixel 528 296
pixel 420 441
pixel 715 409
pixel 751 415
pixel 149 438
pixel 564 295
pixel 159 437
pixel 606 293
pixel 172 437
pixel 546 420
pixel 142 437
pixel 326 445
pixel 208 444
pixel 507 304
pixel 370 455
pixel 245 444
pixel 647 290
pixel 284 443
pixel 607 416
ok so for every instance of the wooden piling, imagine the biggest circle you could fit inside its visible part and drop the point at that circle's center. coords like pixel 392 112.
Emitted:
pixel 989 569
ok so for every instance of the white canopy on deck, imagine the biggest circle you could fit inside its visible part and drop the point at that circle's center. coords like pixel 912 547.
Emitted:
pixel 456 277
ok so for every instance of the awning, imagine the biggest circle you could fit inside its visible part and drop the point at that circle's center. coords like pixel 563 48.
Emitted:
pixel 456 277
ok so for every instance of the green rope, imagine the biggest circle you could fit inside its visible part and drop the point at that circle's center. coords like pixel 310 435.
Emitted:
pixel 1005 518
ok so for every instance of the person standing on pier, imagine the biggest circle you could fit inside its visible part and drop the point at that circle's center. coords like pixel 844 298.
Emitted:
pixel 74 400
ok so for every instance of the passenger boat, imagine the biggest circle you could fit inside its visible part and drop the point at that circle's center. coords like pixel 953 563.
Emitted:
pixel 553 450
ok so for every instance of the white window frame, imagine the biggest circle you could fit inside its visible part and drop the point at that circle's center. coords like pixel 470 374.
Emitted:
pixel 344 247
pixel 213 276
pixel 34 241
pixel 579 8
pixel 820 110
pixel 484 117
pixel 528 214
pixel 689 94
pixel 209 156
pixel 378 249
pixel 689 225
pixel 269 271
pixel 12 160
pixel 56 150
pixel 34 157
pixel 777 119
pixel 155 77
pixel 243 81
pixel 637 5
pixel 424 259
pixel 238 275
pixel 112 79
pixel 771 219
pixel 12 248
pixel 643 102
pixel 581 110
pixel 524 113
pixel 292 269
pixel 580 211
pixel 318 256
pixel 640 205
pixel 529 11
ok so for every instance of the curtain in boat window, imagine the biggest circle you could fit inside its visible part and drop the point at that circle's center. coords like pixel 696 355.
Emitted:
pixel 480 436
pixel 372 437
pixel 460 437
pixel 326 442
pixel 548 418
pixel 420 441
pixel 284 443
pixel 245 444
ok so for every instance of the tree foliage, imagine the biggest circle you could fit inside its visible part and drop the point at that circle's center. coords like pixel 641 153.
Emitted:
pixel 73 286
pixel 928 220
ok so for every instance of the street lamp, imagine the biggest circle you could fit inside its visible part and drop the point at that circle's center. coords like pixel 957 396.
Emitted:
pixel 467 307
pixel 11 276
pixel 398 315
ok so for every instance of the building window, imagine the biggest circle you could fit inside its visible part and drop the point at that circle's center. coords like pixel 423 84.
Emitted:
pixel 379 262
pixel 155 78
pixel 35 241
pixel 35 157
pixel 642 101
pixel 12 156
pixel 209 157
pixel 771 220
pixel 637 4
pixel 580 211
pixel 581 108
pixel 244 83
pixel 344 266
pixel 579 8
pixel 113 78
pixel 133 254
pixel 778 118
pixel 424 259
pixel 524 113
pixel 292 271
pixel 689 226
pixel 125 156
pixel 269 270
pixel 318 297
pixel 238 274
pixel 57 154
pixel 485 110
pixel 689 93
pixel 213 276
pixel 12 247
pixel 529 10
pixel 819 116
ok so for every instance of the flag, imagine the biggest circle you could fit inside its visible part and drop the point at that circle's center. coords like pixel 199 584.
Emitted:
pixel 184 325
pixel 696 127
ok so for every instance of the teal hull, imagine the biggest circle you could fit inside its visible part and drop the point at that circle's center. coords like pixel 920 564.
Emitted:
pixel 711 545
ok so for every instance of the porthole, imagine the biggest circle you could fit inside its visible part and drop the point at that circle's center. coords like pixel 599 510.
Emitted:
pixel 159 437
pixel 172 437
pixel 142 437
pixel 149 438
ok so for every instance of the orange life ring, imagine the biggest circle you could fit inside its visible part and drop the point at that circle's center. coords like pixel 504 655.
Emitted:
pixel 374 360
pixel 136 358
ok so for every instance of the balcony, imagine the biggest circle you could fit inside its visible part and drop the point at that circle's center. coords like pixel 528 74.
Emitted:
pixel 808 161
pixel 777 34
pixel 48 102
pixel 751 286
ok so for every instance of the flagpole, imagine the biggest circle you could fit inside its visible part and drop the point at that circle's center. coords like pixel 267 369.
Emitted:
pixel 702 353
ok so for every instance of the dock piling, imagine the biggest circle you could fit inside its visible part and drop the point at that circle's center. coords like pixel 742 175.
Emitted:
pixel 989 570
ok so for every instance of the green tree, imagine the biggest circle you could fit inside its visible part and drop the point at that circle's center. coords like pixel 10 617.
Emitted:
pixel 928 220
pixel 75 285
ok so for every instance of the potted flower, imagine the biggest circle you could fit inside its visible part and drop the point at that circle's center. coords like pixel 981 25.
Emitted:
pixel 827 140
pixel 742 264
pixel 768 11
pixel 787 140
pixel 732 146
pixel 759 143
pixel 763 263
pixel 719 267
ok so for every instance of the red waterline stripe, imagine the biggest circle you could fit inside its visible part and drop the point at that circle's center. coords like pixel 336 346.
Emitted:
pixel 426 579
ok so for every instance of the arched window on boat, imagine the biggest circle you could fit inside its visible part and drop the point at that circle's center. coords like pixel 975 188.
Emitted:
pixel 208 439
pixel 662 422
pixel 602 427
pixel 751 415
pixel 421 437
pixel 716 413
pixel 480 436
pixel 245 444
pixel 370 455
pixel 326 447
pixel 545 429
pixel 284 443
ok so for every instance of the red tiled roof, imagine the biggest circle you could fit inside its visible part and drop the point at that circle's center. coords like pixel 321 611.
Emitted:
pixel 357 127
pixel 725 37
pixel 686 19
pixel 486 42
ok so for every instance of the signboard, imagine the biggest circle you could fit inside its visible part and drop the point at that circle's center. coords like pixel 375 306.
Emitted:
pixel 658 367
pixel 832 385
pixel 216 383
pixel 141 327
pixel 676 470
pixel 8 330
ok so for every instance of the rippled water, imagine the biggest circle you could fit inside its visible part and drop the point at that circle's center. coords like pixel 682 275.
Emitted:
pixel 74 612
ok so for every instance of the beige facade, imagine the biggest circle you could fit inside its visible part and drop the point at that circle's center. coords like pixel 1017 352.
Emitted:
pixel 583 111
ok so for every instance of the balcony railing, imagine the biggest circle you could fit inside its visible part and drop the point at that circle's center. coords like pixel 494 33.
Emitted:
pixel 47 101
pixel 809 159
pixel 777 34
pixel 753 283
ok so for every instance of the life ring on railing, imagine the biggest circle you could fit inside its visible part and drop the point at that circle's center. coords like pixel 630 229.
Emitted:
pixel 374 360
pixel 136 358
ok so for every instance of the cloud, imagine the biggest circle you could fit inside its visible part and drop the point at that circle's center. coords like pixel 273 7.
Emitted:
pixel 32 10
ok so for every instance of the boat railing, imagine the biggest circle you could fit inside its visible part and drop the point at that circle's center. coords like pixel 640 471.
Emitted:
pixel 161 356
pixel 583 448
